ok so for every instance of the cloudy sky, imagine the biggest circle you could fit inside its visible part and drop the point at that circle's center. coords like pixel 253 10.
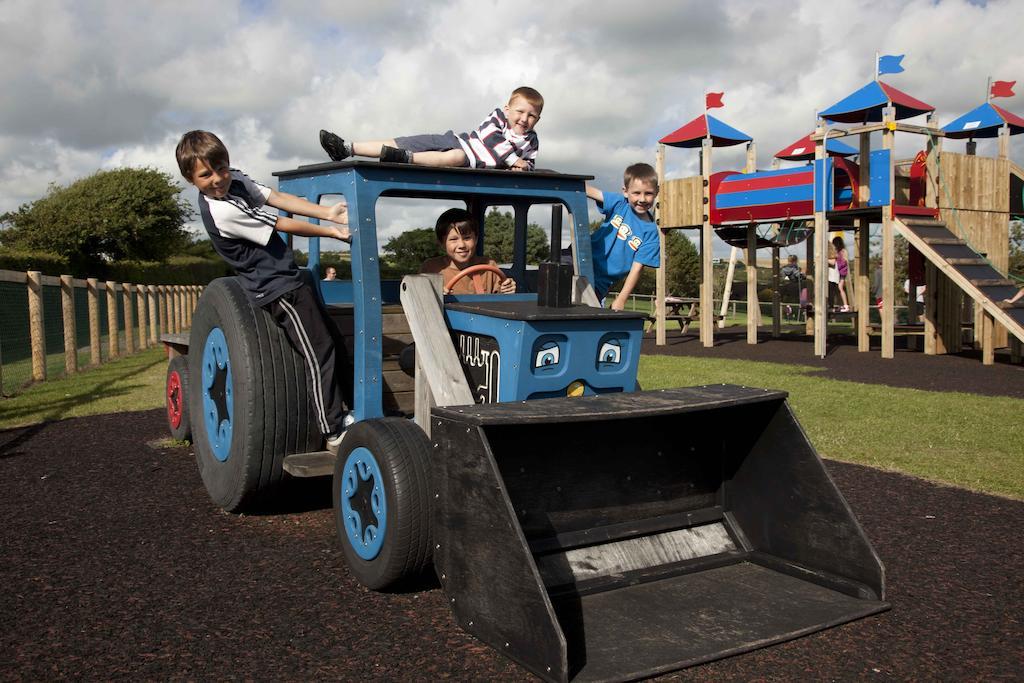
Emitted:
pixel 92 84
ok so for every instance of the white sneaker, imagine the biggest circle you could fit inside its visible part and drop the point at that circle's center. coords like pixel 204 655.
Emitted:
pixel 334 442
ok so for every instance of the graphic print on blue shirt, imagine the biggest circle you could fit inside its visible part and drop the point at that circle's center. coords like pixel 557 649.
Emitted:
pixel 624 237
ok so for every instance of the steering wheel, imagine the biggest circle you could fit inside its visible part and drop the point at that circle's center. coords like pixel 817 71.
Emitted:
pixel 480 268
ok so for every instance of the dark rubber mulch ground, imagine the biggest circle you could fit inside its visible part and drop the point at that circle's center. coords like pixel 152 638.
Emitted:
pixel 114 564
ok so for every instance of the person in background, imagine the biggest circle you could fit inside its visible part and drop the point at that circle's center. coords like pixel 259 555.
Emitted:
pixel 842 266
pixel 331 273
pixel 791 273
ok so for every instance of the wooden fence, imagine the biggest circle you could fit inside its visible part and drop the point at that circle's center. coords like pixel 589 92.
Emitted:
pixel 152 311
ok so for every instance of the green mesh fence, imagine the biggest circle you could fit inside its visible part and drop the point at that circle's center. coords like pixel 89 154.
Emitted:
pixel 15 350
pixel 15 344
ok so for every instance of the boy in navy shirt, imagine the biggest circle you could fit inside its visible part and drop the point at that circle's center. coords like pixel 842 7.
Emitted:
pixel 246 236
pixel 628 238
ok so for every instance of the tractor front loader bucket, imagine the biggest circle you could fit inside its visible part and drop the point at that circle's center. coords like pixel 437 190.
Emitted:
pixel 618 536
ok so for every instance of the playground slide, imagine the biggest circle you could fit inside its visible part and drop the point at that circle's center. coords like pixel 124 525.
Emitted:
pixel 967 268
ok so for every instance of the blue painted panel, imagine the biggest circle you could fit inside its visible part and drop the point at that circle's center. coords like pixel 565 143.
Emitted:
pixel 470 298
pixel 362 185
pixel 343 291
pixel 367 318
pixel 776 173
pixel 572 348
pixel 881 191
pixel 775 195
pixel 819 191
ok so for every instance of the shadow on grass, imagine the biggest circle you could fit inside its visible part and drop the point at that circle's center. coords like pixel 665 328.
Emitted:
pixel 79 392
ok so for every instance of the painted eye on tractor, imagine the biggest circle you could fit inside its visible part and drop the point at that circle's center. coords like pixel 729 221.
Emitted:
pixel 547 355
pixel 611 352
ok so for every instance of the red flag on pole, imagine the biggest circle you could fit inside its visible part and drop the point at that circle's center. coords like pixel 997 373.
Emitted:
pixel 713 99
pixel 1002 88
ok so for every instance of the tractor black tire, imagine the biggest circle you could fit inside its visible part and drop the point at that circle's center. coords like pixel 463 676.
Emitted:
pixel 271 414
pixel 176 393
pixel 382 558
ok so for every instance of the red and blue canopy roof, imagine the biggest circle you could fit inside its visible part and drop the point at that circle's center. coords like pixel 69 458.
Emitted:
pixel 803 150
pixel 866 105
pixel 691 135
pixel 983 122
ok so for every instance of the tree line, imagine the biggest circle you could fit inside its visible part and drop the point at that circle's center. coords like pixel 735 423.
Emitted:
pixel 139 216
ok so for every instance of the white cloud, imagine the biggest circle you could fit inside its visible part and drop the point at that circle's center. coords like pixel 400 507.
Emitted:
pixel 107 83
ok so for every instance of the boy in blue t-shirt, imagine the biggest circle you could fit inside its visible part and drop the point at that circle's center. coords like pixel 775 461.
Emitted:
pixel 628 238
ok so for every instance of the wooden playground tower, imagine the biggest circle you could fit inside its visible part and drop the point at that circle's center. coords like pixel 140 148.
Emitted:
pixel 953 208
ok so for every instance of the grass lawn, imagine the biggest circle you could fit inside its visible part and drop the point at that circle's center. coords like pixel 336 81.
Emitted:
pixel 132 383
pixel 960 439
pixel 955 438
pixel 18 373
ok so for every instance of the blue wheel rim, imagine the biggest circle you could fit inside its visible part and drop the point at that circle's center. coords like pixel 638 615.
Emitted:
pixel 364 508
pixel 218 395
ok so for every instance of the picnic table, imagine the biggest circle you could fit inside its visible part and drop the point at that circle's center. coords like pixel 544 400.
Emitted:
pixel 683 310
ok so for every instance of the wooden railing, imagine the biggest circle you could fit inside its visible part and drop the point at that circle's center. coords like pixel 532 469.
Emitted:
pixel 152 311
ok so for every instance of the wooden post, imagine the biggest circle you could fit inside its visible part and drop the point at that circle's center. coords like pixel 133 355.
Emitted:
pixel 129 323
pixel 820 247
pixel 190 304
pixel 776 295
pixel 734 255
pixel 182 305
pixel 661 290
pixel 94 321
pixel 931 276
pixel 161 295
pixel 751 166
pixel 67 306
pixel 864 163
pixel 1004 142
pixel 113 343
pixel 36 326
pixel 889 245
pixel 932 340
pixel 988 330
pixel 151 297
pixel 174 309
pixel 183 296
pixel 753 307
pixel 862 240
pixel 707 290
pixel 140 310
pixel 933 148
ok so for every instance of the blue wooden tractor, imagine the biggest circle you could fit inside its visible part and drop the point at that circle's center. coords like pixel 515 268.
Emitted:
pixel 584 528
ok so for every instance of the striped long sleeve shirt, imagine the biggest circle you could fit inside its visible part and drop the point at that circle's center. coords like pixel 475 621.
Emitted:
pixel 494 145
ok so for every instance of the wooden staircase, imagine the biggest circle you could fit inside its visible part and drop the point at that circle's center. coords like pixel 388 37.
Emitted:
pixel 967 269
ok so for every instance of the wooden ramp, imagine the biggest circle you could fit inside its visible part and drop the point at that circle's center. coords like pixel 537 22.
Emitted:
pixel 967 269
